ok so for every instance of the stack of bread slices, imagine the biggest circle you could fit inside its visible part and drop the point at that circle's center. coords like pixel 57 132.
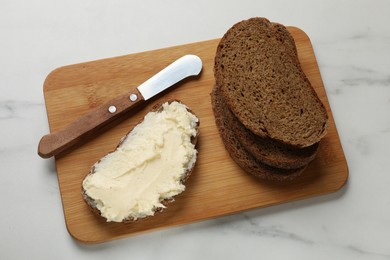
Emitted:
pixel 267 112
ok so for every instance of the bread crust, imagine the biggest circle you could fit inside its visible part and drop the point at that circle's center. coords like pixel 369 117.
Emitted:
pixel 156 108
pixel 261 79
pixel 264 149
pixel 239 153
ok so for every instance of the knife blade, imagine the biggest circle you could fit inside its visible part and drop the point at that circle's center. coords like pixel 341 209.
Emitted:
pixel 57 142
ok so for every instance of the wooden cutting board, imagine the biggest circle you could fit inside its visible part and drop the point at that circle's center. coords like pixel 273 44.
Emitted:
pixel 217 186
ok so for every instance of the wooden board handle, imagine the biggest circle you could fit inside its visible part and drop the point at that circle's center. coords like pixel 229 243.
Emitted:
pixel 57 142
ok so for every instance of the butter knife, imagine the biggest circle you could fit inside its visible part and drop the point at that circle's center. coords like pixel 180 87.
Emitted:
pixel 57 142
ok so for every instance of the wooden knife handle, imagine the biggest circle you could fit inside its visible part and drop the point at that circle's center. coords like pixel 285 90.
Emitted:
pixel 55 143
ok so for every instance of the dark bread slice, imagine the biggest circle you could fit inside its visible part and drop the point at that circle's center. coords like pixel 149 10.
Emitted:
pixel 264 149
pixel 92 203
pixel 239 154
pixel 257 68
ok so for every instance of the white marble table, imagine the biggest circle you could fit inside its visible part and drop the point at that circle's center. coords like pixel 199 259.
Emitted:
pixel 352 44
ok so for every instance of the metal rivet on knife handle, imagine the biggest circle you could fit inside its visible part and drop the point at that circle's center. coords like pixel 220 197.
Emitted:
pixel 112 109
pixel 133 97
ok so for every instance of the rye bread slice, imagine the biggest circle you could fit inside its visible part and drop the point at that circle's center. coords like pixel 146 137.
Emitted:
pixel 257 68
pixel 91 203
pixel 238 152
pixel 264 149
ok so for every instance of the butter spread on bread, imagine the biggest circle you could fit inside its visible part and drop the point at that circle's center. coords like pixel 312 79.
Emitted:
pixel 148 167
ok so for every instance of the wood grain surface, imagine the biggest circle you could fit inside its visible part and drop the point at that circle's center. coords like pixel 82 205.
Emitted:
pixel 217 186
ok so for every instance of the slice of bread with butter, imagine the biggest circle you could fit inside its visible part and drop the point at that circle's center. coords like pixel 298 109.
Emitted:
pixel 148 167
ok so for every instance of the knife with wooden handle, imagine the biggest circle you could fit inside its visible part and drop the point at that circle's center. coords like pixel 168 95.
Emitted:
pixel 57 142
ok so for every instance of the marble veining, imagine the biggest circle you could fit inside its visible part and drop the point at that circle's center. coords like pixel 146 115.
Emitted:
pixel 247 225
pixel 383 81
pixel 275 231
pixel 16 109
pixel 280 232
pixel 366 253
